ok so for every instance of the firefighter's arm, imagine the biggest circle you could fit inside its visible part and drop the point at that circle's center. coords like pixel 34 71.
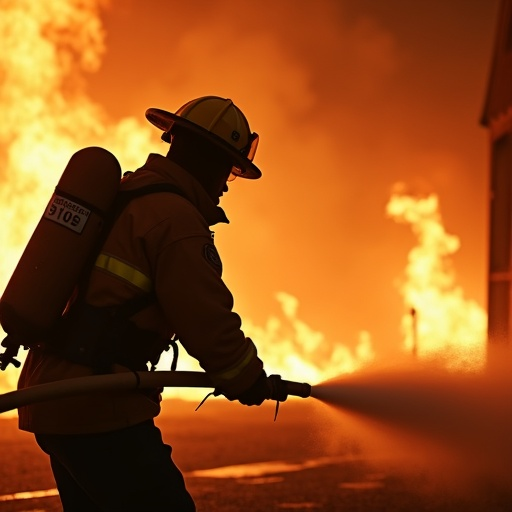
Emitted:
pixel 199 307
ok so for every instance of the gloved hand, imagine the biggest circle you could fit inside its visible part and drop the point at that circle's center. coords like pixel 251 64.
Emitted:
pixel 257 393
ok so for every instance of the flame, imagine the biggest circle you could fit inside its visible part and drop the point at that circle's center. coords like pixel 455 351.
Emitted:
pixel 441 322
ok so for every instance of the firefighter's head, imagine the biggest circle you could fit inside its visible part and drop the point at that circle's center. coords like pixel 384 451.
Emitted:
pixel 211 138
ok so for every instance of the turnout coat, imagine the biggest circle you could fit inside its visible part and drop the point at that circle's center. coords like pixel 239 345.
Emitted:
pixel 160 243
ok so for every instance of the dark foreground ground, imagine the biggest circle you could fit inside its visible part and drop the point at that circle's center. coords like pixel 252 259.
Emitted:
pixel 237 459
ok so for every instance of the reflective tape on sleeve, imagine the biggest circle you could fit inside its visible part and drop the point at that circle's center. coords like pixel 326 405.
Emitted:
pixel 124 271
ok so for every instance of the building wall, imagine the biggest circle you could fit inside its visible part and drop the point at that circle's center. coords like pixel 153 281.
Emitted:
pixel 500 241
pixel 497 117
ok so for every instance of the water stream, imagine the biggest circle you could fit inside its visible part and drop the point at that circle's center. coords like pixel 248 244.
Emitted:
pixel 458 425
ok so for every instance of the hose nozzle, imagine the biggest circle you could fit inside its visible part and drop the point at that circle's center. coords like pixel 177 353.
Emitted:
pixel 280 389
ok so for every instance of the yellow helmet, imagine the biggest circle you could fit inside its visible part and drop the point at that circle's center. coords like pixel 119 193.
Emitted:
pixel 221 121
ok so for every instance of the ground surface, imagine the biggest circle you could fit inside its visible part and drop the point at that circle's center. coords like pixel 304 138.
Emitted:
pixel 238 459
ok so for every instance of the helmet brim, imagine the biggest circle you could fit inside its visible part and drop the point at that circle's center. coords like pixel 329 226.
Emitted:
pixel 164 120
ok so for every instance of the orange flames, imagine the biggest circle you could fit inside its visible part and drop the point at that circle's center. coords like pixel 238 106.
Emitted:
pixel 442 323
pixel 47 49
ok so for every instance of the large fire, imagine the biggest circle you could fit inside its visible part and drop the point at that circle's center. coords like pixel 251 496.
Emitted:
pixel 47 47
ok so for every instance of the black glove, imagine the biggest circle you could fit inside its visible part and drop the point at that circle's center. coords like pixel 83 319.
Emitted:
pixel 257 393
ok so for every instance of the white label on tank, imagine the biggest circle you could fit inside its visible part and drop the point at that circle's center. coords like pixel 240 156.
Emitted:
pixel 67 213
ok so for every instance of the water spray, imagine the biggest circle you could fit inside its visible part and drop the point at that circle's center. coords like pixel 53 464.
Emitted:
pixel 279 389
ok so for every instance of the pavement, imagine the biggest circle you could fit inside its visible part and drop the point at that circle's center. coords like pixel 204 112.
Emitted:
pixel 311 459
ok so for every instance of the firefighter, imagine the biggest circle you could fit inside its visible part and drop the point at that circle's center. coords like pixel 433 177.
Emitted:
pixel 158 276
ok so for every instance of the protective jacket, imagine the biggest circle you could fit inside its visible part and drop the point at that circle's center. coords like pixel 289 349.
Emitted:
pixel 161 243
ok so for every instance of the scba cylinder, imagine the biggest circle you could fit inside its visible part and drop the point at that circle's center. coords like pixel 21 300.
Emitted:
pixel 61 245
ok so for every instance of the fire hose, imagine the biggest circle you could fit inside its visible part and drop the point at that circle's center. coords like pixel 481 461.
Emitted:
pixel 279 389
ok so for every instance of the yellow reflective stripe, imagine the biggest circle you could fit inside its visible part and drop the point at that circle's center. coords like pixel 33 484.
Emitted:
pixel 124 271
pixel 234 371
